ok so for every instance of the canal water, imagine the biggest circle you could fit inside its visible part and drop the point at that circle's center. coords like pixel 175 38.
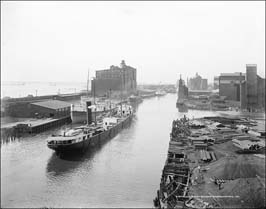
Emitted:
pixel 124 172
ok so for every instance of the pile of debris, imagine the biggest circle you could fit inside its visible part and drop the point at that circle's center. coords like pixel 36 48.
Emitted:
pixel 180 128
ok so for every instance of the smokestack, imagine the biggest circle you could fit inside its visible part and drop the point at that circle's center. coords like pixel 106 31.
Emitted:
pixel 89 115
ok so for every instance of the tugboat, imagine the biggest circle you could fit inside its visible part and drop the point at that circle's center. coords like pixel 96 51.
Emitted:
pixel 80 138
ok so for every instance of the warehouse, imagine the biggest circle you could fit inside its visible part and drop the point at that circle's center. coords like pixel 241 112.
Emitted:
pixel 50 108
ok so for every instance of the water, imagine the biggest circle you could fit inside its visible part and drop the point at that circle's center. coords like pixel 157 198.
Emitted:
pixel 125 172
pixel 23 89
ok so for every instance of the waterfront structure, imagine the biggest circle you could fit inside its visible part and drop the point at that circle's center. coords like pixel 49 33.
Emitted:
pixel 247 88
pixel 198 83
pixel 21 107
pixel 185 168
pixel 252 90
pixel 50 108
pixel 182 89
pixel 115 80
pixel 229 85
pixel 216 82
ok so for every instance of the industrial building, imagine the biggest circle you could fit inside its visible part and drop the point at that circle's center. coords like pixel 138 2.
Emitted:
pixel 116 80
pixel 50 108
pixel 229 85
pixel 198 83
pixel 182 89
pixel 216 82
pixel 247 88
pixel 252 90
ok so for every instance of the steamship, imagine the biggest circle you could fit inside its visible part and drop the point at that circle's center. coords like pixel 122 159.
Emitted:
pixel 90 135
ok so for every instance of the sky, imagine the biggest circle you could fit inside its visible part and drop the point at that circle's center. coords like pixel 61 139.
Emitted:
pixel 59 41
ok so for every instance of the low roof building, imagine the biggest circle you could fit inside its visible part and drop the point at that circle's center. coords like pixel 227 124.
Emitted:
pixel 52 104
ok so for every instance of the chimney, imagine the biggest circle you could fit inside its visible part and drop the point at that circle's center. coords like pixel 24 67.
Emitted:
pixel 89 115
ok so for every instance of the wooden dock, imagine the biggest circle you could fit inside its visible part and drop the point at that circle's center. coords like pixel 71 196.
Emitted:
pixel 31 126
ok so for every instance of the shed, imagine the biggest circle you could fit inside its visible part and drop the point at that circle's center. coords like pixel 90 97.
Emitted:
pixel 50 108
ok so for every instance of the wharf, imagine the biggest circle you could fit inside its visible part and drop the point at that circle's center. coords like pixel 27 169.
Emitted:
pixel 204 170
pixel 30 126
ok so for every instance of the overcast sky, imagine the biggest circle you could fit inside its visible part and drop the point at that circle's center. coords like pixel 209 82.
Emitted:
pixel 59 41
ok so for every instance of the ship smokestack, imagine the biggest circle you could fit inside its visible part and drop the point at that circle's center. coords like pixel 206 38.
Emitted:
pixel 89 115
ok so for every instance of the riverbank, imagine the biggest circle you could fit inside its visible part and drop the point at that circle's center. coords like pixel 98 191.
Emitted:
pixel 206 169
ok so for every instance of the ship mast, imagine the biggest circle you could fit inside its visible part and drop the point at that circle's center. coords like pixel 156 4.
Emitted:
pixel 88 80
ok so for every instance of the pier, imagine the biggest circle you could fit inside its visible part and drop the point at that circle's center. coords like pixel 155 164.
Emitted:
pixel 31 126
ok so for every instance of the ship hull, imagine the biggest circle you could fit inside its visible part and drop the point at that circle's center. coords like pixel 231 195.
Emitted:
pixel 247 151
pixel 93 141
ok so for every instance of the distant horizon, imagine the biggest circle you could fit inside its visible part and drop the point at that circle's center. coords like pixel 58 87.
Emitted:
pixel 160 39
pixel 162 83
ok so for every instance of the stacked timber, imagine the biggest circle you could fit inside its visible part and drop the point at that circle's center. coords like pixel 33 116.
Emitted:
pixel 213 156
pixel 207 156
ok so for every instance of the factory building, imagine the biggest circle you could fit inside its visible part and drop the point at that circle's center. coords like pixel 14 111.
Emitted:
pixel 252 90
pixel 229 85
pixel 247 88
pixel 198 83
pixel 115 80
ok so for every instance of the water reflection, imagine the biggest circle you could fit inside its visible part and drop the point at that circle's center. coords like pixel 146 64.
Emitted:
pixel 66 163
pixel 123 172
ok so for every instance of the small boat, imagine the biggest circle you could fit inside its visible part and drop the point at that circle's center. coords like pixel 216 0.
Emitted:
pixel 135 99
pixel 80 138
pixel 160 93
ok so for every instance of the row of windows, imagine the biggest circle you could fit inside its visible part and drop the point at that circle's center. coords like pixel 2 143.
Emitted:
pixel 114 74
pixel 62 109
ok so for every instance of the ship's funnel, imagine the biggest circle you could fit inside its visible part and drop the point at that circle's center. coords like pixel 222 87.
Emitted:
pixel 89 114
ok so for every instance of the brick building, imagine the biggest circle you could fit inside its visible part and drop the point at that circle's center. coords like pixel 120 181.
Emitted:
pixel 252 90
pixel 229 85
pixel 247 88
pixel 121 79
pixel 198 83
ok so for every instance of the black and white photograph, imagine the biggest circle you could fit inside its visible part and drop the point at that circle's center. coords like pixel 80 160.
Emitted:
pixel 133 104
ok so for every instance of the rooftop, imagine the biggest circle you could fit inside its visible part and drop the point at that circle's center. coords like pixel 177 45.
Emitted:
pixel 233 74
pixel 251 65
pixel 53 104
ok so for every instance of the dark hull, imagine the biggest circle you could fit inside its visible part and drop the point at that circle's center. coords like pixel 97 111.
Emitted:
pixel 180 105
pixel 96 140
pixel 246 151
